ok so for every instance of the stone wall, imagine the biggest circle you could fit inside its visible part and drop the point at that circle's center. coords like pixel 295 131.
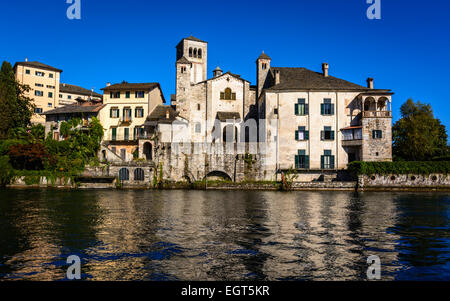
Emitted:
pixel 433 181
pixel 377 149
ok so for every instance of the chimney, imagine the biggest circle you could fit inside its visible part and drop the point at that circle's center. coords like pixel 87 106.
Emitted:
pixel 325 68
pixel 167 114
pixel 277 77
pixel 370 83
pixel 108 84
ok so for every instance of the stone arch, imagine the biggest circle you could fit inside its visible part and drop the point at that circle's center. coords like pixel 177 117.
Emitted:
pixel 195 52
pixel 199 53
pixel 218 175
pixel 139 174
pixel 190 52
pixel 370 104
pixel 124 174
pixel 148 151
pixel 382 104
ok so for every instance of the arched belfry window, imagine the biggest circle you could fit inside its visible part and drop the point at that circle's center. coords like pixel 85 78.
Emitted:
pixel 195 52
pixel 228 94
pixel 199 53
pixel 190 52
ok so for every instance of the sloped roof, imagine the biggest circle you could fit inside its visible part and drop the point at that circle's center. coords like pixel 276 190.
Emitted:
pixel 36 64
pixel 264 56
pixel 159 114
pixel 87 107
pixel 224 116
pixel 191 38
pixel 72 89
pixel 183 60
pixel 304 79
pixel 132 86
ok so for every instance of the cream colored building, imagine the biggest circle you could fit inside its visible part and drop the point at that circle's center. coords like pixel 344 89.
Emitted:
pixel 126 107
pixel 70 94
pixel 44 83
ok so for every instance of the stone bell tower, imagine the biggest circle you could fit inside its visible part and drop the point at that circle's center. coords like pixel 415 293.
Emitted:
pixel 196 52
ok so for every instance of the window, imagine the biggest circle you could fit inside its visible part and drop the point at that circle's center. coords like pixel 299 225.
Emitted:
pixel 50 105
pixel 69 96
pixel 127 114
pixel 377 134
pixel 114 149
pixel 38 73
pixel 50 87
pixel 264 66
pixel 27 71
pixel 327 108
pixel 114 95
pixel 39 85
pixel 275 111
pixel 38 110
pixel 301 160
pixel 195 52
pixel 199 53
pixel 327 160
pixel 114 113
pixel 50 75
pixel 126 134
pixel 139 113
pixel 301 134
pixel 50 94
pixel 140 94
pixel 60 96
pixel 38 93
pixel 127 94
pixel 124 174
pixel 138 133
pixel 198 127
pixel 301 108
pixel 139 174
pixel 198 107
pixel 327 134
pixel 190 52
pixel 227 95
pixel 114 136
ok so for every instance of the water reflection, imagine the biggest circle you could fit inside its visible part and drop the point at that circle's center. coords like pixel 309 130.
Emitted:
pixel 223 235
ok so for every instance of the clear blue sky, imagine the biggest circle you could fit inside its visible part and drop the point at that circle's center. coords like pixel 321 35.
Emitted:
pixel 408 50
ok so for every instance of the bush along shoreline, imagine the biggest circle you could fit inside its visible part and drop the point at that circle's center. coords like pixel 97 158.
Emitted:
pixel 399 168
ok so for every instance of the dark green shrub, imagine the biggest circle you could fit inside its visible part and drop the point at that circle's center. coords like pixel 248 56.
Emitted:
pixel 399 168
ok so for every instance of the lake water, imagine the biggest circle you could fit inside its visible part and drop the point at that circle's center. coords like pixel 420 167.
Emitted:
pixel 223 235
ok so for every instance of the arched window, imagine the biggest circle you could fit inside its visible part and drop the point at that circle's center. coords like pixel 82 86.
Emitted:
pixel 228 95
pixel 139 174
pixel 230 134
pixel 124 174
pixel 190 52
pixel 195 52
pixel 199 53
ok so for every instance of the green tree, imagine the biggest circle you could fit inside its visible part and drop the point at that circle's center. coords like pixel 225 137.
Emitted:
pixel 418 136
pixel 15 108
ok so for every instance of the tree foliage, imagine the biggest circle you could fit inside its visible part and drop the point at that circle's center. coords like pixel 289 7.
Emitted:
pixel 418 136
pixel 15 108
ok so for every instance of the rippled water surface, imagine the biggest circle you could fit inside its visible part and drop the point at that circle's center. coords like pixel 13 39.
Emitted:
pixel 223 235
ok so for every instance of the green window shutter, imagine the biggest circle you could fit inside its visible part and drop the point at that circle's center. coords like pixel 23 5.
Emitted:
pixel 306 109
pixel 110 113
pixel 332 162
pixel 307 162
pixel 373 134
pixel 296 135
pixel 322 109
pixel 296 109
pixel 381 134
pixel 297 161
pixel 332 135
pixel 332 109
pixel 322 162
pixel 306 135
pixel 322 135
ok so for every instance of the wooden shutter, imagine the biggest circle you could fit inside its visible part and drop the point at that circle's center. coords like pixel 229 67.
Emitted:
pixel 322 109
pixel 296 109
pixel 332 135
pixel 332 162
pixel 373 134
pixel 296 135
pixel 306 109
pixel 332 109
pixel 306 135
pixel 307 162
pixel 322 162
pixel 297 161
pixel 322 135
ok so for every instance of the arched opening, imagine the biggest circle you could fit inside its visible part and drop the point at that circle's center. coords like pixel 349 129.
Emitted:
pixel 148 151
pixel 370 104
pixel 104 156
pixel 230 134
pixel 139 174
pixel 190 52
pixel 195 52
pixel 382 104
pixel 124 174
pixel 218 175
pixel 199 53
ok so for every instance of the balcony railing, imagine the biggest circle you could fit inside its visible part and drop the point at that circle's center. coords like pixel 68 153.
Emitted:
pixel 377 114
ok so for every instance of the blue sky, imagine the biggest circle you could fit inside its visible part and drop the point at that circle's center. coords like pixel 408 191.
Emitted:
pixel 408 50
